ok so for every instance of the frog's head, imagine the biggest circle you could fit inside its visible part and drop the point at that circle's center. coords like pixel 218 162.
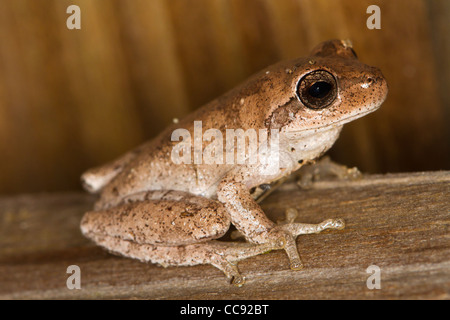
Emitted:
pixel 327 89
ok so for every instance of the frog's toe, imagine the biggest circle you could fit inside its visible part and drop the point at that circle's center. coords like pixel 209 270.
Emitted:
pixel 353 173
pixel 238 280
pixel 286 240
pixel 285 236
pixel 337 224
pixel 296 265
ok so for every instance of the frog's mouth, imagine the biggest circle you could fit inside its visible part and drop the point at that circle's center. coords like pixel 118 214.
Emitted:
pixel 351 118
pixel 333 124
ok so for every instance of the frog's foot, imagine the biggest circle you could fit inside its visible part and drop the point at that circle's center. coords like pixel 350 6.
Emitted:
pixel 325 169
pixel 286 233
pixel 226 255
pixel 230 270
pixel 220 254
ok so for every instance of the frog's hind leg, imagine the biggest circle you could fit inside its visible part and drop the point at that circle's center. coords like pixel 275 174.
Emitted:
pixel 168 218
pixel 220 254
pixel 170 228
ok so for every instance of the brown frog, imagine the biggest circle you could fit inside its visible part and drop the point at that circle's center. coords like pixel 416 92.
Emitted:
pixel 158 210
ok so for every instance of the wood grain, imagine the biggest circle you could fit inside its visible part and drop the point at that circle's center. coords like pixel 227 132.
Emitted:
pixel 73 99
pixel 399 222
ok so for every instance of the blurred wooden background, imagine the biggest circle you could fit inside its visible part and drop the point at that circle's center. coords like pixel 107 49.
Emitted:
pixel 72 99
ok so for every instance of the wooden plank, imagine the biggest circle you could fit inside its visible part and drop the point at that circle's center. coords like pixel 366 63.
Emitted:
pixel 398 222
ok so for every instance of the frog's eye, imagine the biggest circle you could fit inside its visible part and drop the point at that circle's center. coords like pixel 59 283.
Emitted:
pixel 317 89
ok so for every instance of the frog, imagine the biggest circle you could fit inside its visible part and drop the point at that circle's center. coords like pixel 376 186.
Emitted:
pixel 157 211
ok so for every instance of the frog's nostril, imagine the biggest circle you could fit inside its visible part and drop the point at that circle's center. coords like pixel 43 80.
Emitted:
pixel 368 81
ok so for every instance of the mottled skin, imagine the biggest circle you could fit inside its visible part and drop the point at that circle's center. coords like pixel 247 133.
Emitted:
pixel 154 210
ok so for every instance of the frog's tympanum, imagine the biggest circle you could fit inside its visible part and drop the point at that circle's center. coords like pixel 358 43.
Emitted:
pixel 158 211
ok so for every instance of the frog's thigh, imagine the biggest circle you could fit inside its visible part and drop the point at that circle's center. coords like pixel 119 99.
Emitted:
pixel 159 222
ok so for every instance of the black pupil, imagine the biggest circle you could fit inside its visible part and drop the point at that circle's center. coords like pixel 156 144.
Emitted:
pixel 319 89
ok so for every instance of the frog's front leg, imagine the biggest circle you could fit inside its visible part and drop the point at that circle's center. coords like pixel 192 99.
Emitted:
pixel 251 221
pixel 322 169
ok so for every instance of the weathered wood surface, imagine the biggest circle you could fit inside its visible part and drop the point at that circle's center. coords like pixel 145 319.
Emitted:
pixel 398 222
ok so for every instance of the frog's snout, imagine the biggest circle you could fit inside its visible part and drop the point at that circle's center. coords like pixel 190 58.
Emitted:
pixel 376 82
pixel 382 85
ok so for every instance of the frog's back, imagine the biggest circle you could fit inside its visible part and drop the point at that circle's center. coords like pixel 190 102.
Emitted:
pixel 150 167
pixel 150 171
